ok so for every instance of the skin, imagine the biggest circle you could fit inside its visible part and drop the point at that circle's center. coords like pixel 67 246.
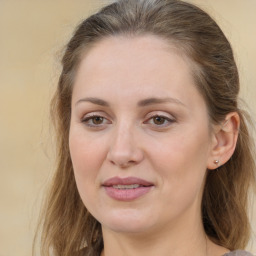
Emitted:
pixel 124 139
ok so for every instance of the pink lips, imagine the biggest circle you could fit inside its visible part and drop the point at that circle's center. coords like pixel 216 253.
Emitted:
pixel 126 189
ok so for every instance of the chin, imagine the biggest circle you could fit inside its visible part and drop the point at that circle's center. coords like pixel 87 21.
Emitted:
pixel 127 221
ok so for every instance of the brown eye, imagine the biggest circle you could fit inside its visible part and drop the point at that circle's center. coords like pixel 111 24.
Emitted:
pixel 97 120
pixel 159 120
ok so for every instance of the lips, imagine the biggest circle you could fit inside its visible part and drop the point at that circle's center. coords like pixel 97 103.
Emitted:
pixel 126 181
pixel 126 189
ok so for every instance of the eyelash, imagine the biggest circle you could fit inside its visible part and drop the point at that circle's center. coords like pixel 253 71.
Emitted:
pixel 87 119
pixel 167 121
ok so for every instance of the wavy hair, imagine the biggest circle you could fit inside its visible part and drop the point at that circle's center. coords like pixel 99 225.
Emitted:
pixel 67 226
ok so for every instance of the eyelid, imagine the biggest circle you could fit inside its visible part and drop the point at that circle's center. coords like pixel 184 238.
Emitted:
pixel 95 113
pixel 167 117
pixel 87 117
pixel 161 114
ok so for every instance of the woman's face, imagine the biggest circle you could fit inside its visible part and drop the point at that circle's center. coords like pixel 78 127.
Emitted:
pixel 139 135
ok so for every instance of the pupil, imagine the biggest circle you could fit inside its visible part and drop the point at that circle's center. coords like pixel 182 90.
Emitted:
pixel 97 120
pixel 158 120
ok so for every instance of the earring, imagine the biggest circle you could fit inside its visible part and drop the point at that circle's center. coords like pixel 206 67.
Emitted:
pixel 216 161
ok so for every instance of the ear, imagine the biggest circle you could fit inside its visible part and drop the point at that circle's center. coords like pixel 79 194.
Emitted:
pixel 224 139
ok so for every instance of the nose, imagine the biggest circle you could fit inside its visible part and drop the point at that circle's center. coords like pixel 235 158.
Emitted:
pixel 124 149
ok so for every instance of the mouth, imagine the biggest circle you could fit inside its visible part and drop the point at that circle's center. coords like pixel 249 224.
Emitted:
pixel 132 186
pixel 128 182
pixel 126 189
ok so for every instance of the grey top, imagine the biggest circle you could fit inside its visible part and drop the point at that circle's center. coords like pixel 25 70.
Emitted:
pixel 238 253
pixel 84 252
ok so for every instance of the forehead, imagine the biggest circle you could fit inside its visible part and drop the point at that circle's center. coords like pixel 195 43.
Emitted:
pixel 142 66
pixel 131 48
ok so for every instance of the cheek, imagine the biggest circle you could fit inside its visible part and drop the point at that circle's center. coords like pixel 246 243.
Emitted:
pixel 182 149
pixel 87 156
pixel 183 163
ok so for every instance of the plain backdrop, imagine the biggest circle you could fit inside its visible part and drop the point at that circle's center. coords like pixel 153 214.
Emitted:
pixel 32 36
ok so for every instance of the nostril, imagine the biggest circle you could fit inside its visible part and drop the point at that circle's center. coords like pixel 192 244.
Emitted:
pixel 127 164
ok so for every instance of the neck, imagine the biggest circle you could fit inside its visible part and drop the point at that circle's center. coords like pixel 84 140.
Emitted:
pixel 179 241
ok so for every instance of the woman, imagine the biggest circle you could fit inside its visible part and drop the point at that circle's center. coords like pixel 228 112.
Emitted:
pixel 154 154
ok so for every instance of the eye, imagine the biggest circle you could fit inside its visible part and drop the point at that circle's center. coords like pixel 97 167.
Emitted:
pixel 95 121
pixel 160 121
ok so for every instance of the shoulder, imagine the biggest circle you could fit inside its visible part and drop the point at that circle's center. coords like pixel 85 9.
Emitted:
pixel 238 253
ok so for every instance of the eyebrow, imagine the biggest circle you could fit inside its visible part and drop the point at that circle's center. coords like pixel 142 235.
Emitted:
pixel 95 101
pixel 152 101
pixel 141 103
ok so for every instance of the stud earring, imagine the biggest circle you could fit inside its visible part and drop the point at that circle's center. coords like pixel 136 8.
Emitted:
pixel 216 162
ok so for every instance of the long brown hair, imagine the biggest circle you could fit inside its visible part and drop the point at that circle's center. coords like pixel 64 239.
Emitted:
pixel 67 225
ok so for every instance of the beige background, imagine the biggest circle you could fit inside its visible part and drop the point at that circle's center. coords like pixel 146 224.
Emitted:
pixel 31 35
